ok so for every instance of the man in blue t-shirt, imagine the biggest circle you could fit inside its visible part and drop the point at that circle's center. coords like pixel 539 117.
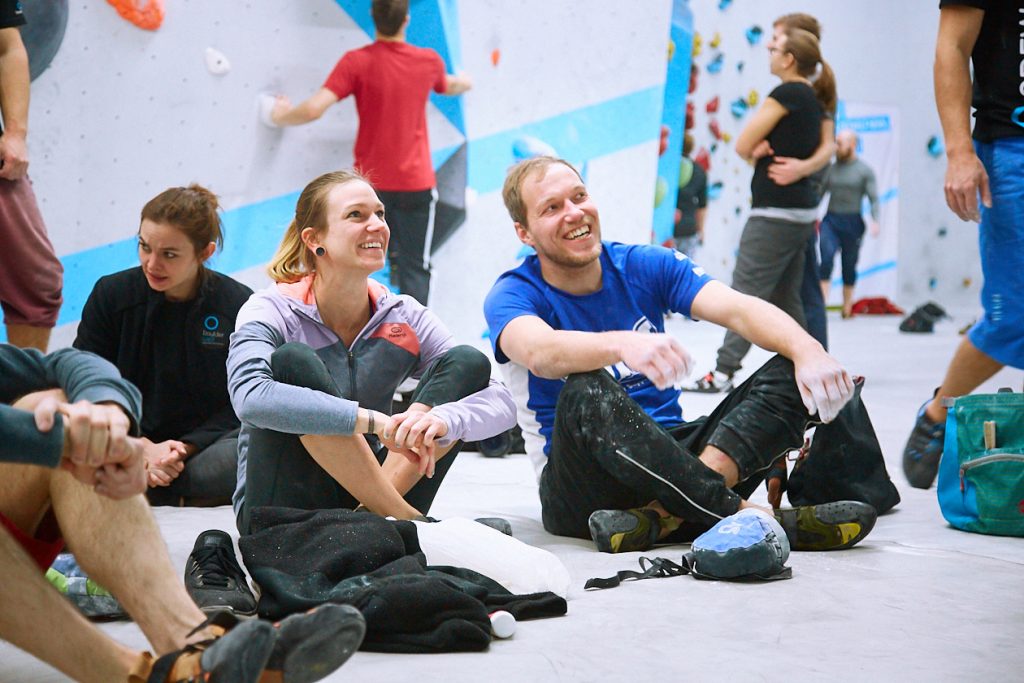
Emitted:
pixel 579 329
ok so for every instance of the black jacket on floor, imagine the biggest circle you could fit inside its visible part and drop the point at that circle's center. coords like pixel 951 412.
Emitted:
pixel 303 558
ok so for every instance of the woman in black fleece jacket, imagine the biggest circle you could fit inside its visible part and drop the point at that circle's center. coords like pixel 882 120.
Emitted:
pixel 166 325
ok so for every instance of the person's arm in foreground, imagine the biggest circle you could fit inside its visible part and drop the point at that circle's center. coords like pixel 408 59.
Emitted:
pixel 823 383
pixel 965 175
pixel 14 96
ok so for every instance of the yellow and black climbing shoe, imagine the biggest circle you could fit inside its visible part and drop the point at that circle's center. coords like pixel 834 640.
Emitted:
pixel 828 526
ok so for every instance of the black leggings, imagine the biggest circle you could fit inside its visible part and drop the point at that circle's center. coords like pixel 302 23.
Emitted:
pixel 281 472
pixel 208 478
pixel 607 453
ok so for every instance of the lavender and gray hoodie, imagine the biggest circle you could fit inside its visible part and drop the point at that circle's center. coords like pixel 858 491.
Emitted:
pixel 401 340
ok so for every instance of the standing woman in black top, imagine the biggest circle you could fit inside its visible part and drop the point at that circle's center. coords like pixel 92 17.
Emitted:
pixel 165 325
pixel 770 261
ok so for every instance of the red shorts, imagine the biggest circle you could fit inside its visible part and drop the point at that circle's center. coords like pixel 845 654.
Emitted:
pixel 43 552
pixel 31 275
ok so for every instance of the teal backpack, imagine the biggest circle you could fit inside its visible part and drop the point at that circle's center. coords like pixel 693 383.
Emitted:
pixel 981 474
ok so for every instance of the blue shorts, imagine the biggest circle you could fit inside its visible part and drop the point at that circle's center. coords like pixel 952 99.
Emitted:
pixel 1000 333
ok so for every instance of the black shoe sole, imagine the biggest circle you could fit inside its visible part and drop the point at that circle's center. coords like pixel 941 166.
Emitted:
pixel 310 646
pixel 828 526
pixel 241 655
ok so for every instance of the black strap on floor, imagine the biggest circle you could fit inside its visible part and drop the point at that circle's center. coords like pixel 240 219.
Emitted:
pixel 660 567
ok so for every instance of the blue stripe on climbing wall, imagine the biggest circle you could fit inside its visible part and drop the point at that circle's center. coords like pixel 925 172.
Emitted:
pixel 577 135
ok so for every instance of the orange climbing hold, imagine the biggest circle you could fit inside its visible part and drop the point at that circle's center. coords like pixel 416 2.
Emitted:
pixel 149 16
pixel 495 57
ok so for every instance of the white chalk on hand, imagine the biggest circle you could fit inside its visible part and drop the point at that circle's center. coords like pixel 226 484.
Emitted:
pixel 503 624
pixel 266 105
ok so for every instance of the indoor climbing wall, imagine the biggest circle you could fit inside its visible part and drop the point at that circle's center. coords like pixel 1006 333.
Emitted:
pixel 881 53
pixel 141 95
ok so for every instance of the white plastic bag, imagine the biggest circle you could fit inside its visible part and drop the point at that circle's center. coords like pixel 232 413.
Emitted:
pixel 519 567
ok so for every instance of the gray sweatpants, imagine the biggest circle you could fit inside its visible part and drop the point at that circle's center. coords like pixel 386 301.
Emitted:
pixel 770 266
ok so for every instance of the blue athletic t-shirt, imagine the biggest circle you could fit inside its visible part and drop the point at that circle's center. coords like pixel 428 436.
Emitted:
pixel 640 283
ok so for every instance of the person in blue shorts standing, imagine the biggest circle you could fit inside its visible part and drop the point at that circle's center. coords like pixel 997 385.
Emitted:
pixel 986 34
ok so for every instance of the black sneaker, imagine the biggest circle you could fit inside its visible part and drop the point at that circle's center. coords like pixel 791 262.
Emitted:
pixel 213 577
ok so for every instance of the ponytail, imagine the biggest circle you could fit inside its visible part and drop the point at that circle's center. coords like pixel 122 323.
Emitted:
pixel 825 88
pixel 806 51
pixel 293 259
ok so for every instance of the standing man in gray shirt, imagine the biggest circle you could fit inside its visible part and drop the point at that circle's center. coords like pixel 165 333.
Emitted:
pixel 849 181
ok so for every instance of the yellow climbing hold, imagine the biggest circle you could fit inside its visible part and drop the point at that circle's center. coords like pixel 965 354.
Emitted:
pixel 752 98
pixel 716 39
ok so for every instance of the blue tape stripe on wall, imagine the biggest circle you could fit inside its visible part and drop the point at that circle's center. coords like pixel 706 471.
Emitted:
pixel 578 135
pixel 677 83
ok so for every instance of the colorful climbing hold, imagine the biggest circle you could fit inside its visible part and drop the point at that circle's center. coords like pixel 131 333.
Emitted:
pixel 703 159
pixel 724 4
pixel 716 40
pixel 495 56
pixel 689 116
pixel 715 190
pixel 967 282
pixel 715 129
pixel 932 283
pixel 942 232
pixel 754 34
pixel 726 138
pixel 216 63
pixel 935 148
pixel 752 98
pixel 697 43
pixel 715 65
pixel 663 139
pixel 712 106
pixel 149 17
pixel 671 49
pixel 528 147
pixel 739 67
pixel 660 191
pixel 738 107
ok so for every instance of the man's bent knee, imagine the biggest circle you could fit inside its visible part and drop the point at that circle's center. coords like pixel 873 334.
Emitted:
pixel 589 383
